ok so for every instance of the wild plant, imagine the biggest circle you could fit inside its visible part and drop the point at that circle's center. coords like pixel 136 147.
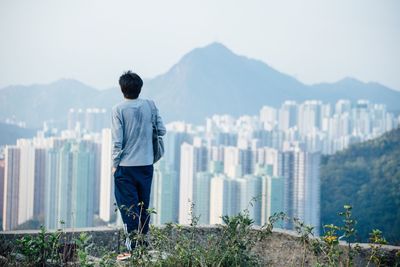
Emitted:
pixel 40 249
pixel 349 232
pixel 83 244
pixel 376 242
pixel 305 232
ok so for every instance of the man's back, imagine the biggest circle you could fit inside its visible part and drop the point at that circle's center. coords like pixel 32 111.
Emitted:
pixel 132 132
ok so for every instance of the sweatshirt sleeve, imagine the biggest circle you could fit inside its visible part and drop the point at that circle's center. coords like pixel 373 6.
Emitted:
pixel 160 125
pixel 117 136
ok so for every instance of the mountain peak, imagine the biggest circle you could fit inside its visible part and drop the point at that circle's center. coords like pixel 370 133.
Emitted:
pixel 69 83
pixel 214 49
pixel 215 46
pixel 350 80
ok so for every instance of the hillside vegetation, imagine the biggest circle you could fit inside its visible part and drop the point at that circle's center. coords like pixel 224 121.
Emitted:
pixel 366 176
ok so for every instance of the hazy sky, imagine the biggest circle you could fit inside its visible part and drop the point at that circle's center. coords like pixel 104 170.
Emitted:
pixel 95 40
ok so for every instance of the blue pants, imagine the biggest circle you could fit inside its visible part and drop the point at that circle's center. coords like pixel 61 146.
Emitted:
pixel 132 193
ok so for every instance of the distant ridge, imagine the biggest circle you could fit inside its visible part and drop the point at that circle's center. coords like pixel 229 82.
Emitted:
pixel 10 133
pixel 36 103
pixel 212 79
pixel 207 80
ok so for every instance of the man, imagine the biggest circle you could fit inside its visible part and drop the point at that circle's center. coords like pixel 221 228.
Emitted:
pixel 132 156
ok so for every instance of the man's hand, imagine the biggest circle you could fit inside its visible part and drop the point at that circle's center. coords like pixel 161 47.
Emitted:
pixel 113 170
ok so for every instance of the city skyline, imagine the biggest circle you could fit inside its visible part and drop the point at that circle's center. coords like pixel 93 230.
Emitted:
pixel 220 166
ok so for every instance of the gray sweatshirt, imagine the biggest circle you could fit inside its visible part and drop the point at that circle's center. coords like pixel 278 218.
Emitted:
pixel 132 132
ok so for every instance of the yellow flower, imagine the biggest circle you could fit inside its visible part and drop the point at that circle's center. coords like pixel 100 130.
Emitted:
pixel 330 238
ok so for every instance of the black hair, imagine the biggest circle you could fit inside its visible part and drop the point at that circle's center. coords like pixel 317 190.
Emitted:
pixel 131 84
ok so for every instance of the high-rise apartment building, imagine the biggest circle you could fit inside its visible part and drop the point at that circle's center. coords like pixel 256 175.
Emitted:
pixel 70 185
pixel 301 186
pixel 11 187
pixel 193 160
pixel 90 120
pixel 201 197
pixel 2 165
pixel 223 198
pixel 106 203
pixel 164 194
pixel 26 189
pixel 310 116
pixel 272 197
pixel 288 115
pixel 268 117
pixel 24 175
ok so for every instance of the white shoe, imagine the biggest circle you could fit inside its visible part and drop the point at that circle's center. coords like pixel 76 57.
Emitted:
pixel 123 256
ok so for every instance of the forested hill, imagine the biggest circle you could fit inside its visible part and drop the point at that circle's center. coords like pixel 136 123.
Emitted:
pixel 10 133
pixel 366 176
